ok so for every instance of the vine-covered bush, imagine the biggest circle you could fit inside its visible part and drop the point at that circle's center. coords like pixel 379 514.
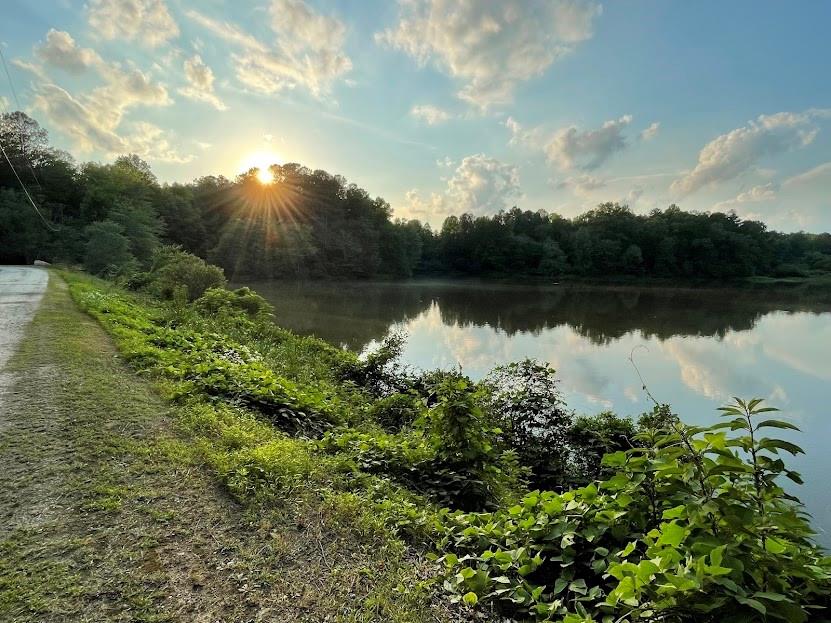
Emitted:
pixel 525 399
pixel 230 302
pixel 694 526
pixel 173 269
pixel 396 411
pixel 590 438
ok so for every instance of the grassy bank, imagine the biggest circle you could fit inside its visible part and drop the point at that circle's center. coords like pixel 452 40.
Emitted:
pixel 111 509
pixel 343 479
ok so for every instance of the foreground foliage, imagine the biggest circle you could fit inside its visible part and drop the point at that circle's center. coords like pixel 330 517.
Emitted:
pixel 693 526
pixel 674 523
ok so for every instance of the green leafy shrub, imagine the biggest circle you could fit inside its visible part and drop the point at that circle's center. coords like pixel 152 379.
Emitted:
pixel 396 411
pixel 381 453
pixel 222 301
pixel 173 268
pixel 693 526
pixel 592 437
pixel 379 371
pixel 212 365
pixel 525 400
pixel 471 470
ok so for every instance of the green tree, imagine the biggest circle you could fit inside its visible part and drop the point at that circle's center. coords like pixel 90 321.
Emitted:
pixel 107 250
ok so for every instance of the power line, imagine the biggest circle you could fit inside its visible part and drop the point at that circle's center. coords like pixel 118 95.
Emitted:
pixel 28 196
pixel 20 121
pixel 9 76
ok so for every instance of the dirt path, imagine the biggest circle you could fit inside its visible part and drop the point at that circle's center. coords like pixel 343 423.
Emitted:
pixel 107 514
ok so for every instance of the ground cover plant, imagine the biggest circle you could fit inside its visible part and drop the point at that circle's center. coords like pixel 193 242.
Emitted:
pixel 530 511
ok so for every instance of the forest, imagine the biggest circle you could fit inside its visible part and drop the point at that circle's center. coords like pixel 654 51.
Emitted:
pixel 312 224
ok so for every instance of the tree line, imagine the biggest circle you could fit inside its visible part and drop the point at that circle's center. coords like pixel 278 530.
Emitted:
pixel 312 224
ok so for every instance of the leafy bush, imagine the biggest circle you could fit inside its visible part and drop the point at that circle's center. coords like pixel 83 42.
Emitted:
pixel 471 470
pixel 694 526
pixel 590 438
pixel 396 411
pixel 526 402
pixel 379 453
pixel 379 370
pixel 222 301
pixel 173 268
pixel 212 365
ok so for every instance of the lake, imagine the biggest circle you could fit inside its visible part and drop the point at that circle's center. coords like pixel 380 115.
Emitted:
pixel 694 347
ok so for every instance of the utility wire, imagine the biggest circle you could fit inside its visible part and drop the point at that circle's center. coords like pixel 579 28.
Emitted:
pixel 49 225
pixel 20 121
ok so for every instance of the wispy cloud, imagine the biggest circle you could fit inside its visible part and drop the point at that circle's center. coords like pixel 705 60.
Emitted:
pixel 308 50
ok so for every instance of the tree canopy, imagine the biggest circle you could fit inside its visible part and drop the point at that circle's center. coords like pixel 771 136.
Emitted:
pixel 312 224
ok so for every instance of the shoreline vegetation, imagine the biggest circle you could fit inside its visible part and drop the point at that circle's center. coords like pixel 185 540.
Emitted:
pixel 498 498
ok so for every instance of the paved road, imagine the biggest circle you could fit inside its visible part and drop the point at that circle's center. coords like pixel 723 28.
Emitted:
pixel 21 288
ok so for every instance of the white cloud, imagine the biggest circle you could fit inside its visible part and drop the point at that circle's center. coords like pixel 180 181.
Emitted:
pixel 76 120
pixel 147 21
pixel 729 155
pixel 480 185
pixel 60 51
pixel 431 115
pixel 765 192
pixel 93 120
pixel 123 90
pixel 818 173
pixel 651 132
pixel 200 79
pixel 308 51
pixel 572 148
pixel 80 121
pixel 490 46
pixel 582 185
pixel 634 194
pixel 150 141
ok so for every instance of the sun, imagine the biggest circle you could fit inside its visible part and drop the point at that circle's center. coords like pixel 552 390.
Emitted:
pixel 265 176
pixel 262 161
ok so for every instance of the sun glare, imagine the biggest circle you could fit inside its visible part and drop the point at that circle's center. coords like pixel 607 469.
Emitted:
pixel 261 160
pixel 265 176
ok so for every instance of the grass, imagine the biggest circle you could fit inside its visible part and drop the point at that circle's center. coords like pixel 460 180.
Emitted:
pixel 112 508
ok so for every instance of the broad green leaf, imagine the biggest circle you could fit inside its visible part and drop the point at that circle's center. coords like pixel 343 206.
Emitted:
pixel 672 534
pixel 756 605
pixel 776 424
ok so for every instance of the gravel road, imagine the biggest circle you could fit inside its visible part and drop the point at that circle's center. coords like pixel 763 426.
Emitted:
pixel 21 288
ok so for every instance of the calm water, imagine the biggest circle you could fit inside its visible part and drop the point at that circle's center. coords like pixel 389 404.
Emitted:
pixel 701 346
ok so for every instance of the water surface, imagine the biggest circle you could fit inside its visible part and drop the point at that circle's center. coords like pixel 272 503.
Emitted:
pixel 695 348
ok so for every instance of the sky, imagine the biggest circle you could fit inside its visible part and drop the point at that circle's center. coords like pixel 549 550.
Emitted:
pixel 449 106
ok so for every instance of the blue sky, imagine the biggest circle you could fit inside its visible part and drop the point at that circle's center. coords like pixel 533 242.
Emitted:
pixel 445 106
